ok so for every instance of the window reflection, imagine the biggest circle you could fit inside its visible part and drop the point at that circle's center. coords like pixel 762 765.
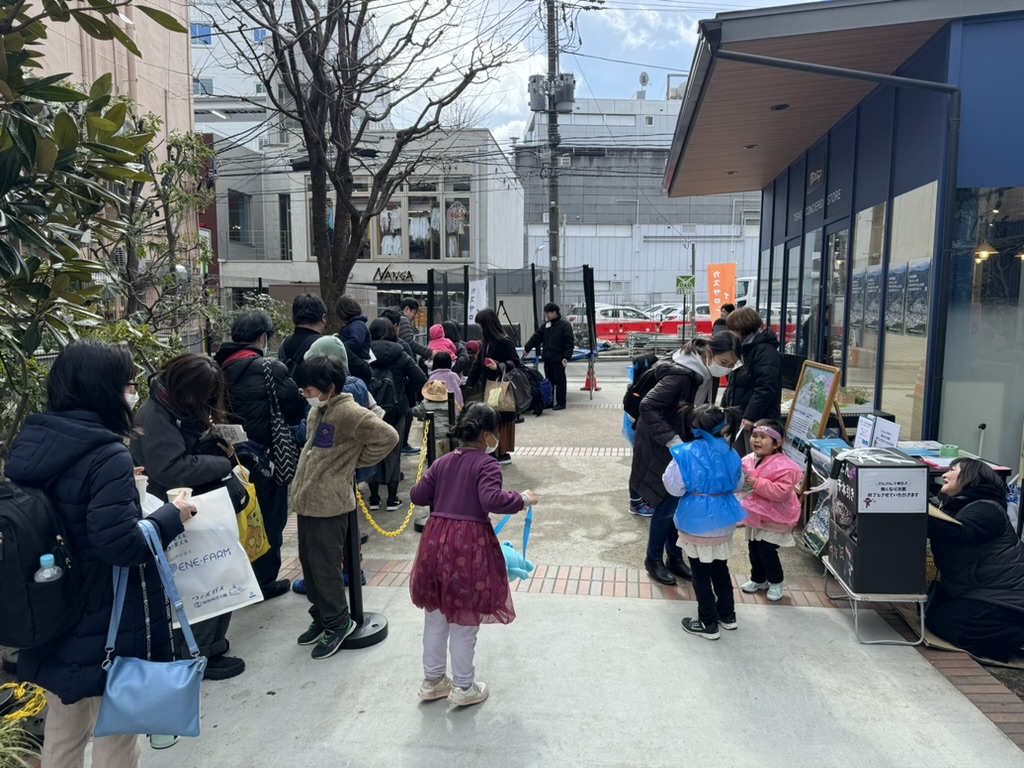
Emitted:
pixel 913 245
pixel 865 294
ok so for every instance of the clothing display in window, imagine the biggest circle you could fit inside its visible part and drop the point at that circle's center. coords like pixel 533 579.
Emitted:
pixel 391 245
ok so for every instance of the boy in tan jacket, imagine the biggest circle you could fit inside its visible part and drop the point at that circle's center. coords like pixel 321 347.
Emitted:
pixel 341 435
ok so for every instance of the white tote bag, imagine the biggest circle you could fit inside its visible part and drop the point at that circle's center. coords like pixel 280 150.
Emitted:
pixel 211 569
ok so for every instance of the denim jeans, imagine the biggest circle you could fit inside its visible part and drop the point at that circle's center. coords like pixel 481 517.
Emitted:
pixel 663 535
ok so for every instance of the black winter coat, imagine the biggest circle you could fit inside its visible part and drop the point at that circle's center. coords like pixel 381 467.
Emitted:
pixel 982 558
pixel 659 424
pixel 248 401
pixel 502 351
pixel 756 387
pixel 173 452
pixel 461 362
pixel 89 473
pixel 554 340
pixel 293 350
pixel 391 356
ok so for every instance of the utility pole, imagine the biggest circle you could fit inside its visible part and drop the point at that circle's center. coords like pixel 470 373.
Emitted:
pixel 554 219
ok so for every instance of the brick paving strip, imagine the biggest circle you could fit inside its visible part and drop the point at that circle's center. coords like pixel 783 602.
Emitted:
pixel 998 703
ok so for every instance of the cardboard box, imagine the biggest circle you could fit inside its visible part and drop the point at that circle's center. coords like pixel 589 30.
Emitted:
pixel 879 525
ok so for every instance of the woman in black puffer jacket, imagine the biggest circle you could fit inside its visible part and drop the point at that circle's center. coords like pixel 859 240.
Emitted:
pixel 978 602
pixel 755 387
pixel 76 451
pixel 391 361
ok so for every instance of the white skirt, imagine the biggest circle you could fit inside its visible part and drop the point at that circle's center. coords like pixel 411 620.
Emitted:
pixel 778 538
pixel 706 553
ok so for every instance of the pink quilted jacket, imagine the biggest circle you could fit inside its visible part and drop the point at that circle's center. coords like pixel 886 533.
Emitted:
pixel 773 505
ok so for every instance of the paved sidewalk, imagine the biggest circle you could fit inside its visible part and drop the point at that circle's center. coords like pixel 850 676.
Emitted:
pixel 596 671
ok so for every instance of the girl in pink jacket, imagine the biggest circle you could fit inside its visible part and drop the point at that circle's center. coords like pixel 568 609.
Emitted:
pixel 772 507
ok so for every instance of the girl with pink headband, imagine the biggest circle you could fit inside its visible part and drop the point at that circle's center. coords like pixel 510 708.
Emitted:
pixel 772 507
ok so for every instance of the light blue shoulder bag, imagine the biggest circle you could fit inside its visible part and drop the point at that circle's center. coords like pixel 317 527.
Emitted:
pixel 144 696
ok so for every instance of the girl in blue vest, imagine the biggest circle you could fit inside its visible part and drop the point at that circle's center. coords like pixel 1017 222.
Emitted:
pixel 705 473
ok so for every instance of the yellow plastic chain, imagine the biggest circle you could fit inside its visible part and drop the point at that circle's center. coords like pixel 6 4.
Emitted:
pixel 35 704
pixel 412 507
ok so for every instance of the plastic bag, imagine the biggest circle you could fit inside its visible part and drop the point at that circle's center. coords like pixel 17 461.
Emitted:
pixel 629 429
pixel 211 569
pixel 251 531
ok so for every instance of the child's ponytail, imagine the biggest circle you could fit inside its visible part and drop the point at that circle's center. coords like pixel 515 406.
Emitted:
pixel 713 419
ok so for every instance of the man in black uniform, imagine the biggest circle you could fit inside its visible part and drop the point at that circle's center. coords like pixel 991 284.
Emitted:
pixel 556 341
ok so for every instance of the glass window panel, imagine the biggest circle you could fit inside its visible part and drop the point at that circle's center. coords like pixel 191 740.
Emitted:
pixel 865 299
pixel 984 363
pixel 202 34
pixel 424 228
pixel 238 217
pixel 389 232
pixel 457 228
pixel 762 281
pixel 790 300
pixel 838 251
pixel 810 285
pixel 913 243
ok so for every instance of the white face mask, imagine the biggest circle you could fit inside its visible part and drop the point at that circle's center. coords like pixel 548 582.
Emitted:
pixel 132 399
pixel 314 402
pixel 719 370
pixel 491 448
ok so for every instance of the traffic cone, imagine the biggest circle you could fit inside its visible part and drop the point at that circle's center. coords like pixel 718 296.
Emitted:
pixel 591 383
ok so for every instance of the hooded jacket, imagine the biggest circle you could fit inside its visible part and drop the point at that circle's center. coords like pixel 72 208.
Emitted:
pixel 248 402
pixel 438 342
pixel 773 505
pixel 756 386
pixel 89 476
pixel 982 558
pixel 172 448
pixel 390 356
pixel 682 379
pixel 356 335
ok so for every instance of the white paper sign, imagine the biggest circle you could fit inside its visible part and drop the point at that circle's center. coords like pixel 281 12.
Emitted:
pixel 477 297
pixel 865 431
pixel 892 490
pixel 887 434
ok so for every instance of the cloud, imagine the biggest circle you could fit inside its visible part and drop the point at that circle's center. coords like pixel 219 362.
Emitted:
pixel 635 29
pixel 688 31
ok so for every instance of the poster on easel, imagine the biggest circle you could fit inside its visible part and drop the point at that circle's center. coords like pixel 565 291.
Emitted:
pixel 813 401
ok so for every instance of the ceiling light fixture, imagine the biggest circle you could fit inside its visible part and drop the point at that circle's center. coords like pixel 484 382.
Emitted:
pixel 985 250
pixel 219 114
pixel 750 146
pixel 779 107
pixel 730 173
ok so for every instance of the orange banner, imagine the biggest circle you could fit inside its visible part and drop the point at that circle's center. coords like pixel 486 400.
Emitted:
pixel 721 286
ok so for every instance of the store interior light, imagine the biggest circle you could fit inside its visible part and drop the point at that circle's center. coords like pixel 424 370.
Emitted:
pixel 985 250
pixel 1020 254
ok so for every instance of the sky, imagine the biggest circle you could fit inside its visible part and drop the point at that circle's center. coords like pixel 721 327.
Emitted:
pixel 652 36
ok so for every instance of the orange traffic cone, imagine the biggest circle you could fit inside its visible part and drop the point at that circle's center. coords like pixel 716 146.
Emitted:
pixel 591 383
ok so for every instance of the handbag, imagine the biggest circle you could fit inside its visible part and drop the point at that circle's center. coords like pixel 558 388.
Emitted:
pixel 284 451
pixel 142 696
pixel 251 530
pixel 499 395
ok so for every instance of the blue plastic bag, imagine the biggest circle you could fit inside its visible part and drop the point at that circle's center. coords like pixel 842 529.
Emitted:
pixel 629 429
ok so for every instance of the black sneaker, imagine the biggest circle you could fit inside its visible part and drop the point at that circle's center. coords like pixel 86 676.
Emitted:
pixel 394 504
pixel 331 640
pixel 276 589
pixel 695 626
pixel 223 668
pixel 374 504
pixel 311 635
pixel 727 622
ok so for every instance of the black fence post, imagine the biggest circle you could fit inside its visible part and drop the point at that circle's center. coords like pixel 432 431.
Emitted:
pixel 465 302
pixel 430 300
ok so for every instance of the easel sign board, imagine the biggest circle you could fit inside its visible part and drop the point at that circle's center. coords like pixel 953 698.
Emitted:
pixel 813 401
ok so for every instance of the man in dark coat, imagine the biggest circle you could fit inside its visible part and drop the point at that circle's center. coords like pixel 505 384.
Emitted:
pixel 720 324
pixel 556 341
pixel 309 313
pixel 245 370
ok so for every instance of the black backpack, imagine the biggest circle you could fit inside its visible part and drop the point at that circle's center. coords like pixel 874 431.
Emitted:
pixel 32 614
pixel 384 390
pixel 637 390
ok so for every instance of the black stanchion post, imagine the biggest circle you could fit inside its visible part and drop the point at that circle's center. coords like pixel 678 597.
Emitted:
pixel 451 415
pixel 536 301
pixel 421 522
pixel 430 300
pixel 371 628
pixel 465 302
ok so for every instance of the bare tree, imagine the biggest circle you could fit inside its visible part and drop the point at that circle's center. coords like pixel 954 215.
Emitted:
pixel 344 72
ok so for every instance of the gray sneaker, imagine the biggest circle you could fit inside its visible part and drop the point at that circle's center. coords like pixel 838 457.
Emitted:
pixel 775 591
pixel 435 689
pixel 464 697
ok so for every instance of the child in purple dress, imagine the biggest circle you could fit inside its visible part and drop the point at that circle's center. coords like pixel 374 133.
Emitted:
pixel 459 578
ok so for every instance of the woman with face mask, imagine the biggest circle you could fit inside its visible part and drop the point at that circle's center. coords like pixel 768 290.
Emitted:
pixel 684 378
pixel 756 387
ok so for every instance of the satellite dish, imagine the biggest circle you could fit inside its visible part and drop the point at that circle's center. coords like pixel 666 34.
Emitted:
pixel 644 79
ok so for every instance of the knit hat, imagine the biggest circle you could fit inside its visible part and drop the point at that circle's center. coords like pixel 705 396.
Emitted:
pixel 435 391
pixel 436 332
pixel 473 346
pixel 330 346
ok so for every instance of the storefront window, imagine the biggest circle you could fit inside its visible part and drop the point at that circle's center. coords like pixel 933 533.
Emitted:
pixel 984 363
pixel 424 228
pixel 364 251
pixel 456 227
pixel 807 319
pixel 837 251
pixel 865 300
pixel 762 281
pixel 906 343
pixel 769 312
pixel 389 231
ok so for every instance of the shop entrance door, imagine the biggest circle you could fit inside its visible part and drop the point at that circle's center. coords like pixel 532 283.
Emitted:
pixel 834 291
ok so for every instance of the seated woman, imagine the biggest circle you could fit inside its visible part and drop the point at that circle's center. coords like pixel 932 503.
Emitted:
pixel 979 601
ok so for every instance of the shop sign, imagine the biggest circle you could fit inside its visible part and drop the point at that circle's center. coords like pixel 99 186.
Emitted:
pixel 389 275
